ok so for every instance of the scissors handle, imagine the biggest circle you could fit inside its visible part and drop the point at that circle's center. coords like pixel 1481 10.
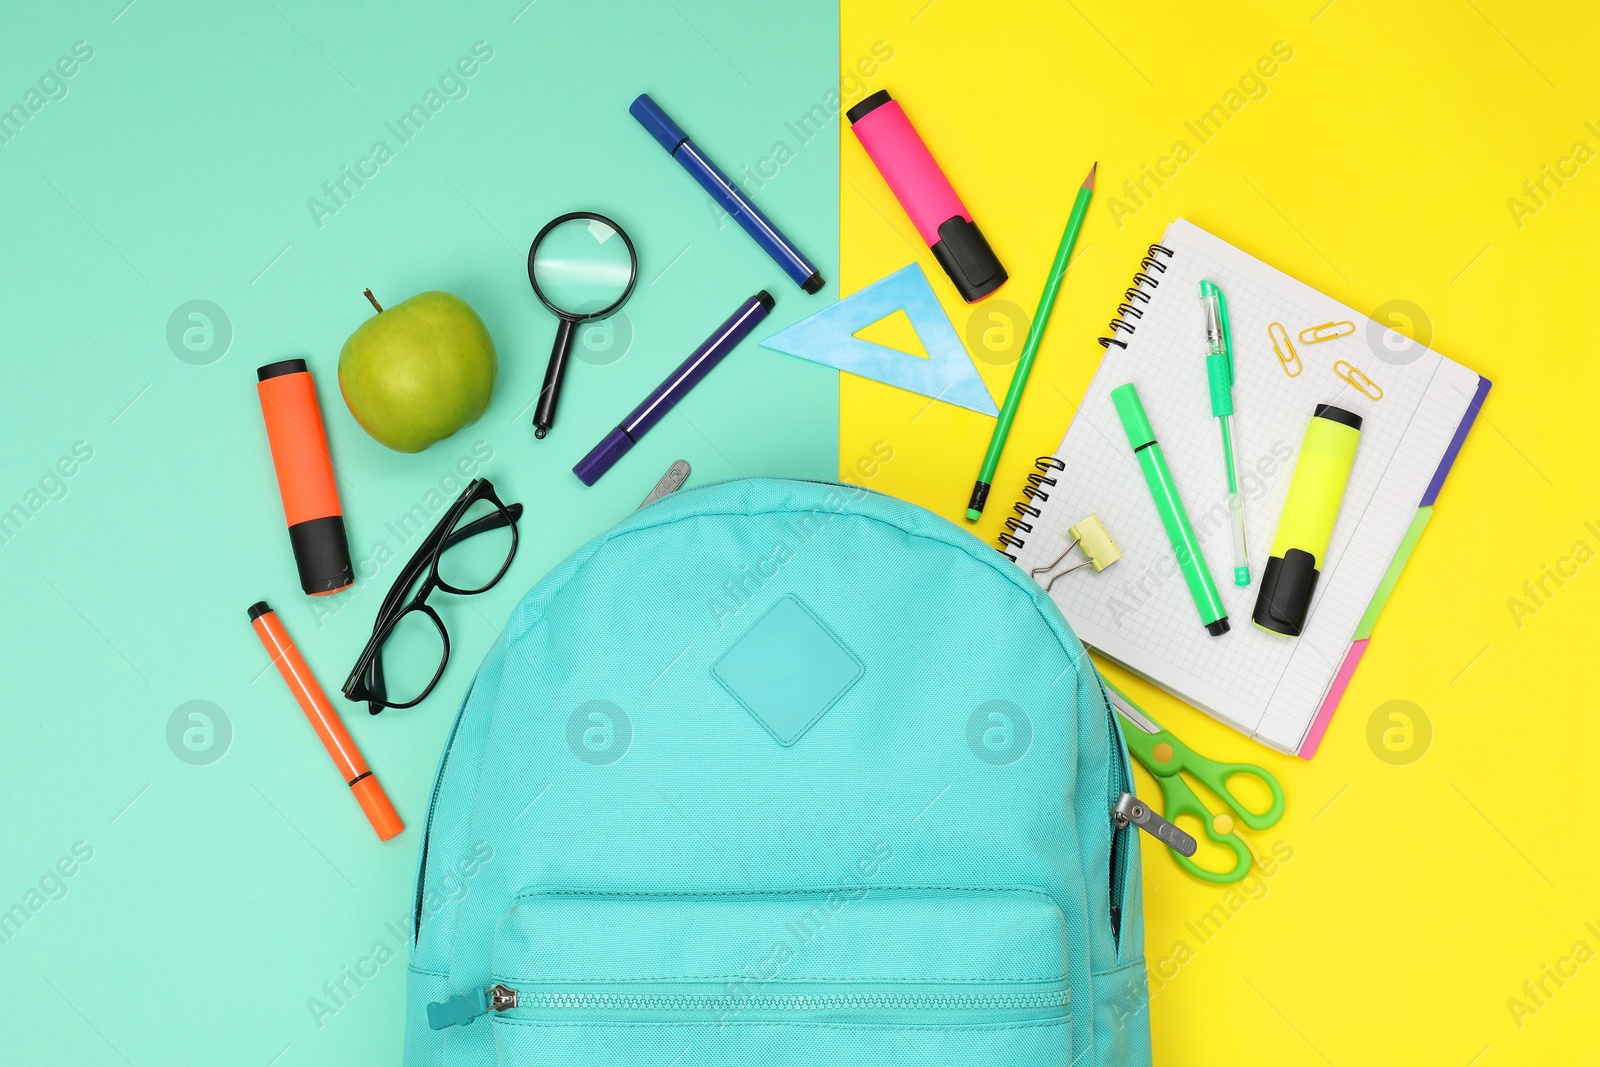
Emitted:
pixel 1180 800
pixel 1164 756
pixel 1242 858
pixel 1167 759
pixel 1216 777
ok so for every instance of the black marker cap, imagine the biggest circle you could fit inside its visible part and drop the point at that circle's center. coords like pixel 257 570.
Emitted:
pixel 282 367
pixel 322 554
pixel 868 106
pixel 1286 587
pixel 965 255
pixel 1337 414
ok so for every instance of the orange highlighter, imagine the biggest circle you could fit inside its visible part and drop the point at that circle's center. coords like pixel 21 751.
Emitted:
pixel 305 476
pixel 335 738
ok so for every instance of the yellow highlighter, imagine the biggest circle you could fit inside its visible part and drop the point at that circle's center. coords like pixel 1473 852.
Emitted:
pixel 1315 493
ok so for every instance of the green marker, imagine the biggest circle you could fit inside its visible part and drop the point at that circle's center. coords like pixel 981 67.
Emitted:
pixel 1030 348
pixel 1219 371
pixel 1158 476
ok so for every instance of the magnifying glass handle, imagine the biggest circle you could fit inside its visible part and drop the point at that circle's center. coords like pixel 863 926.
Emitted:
pixel 544 413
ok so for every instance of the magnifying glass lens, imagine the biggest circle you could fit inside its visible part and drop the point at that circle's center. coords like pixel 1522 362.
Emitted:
pixel 582 266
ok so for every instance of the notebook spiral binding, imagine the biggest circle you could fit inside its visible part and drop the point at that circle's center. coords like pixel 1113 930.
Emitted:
pixel 1142 281
pixel 1138 293
pixel 1037 490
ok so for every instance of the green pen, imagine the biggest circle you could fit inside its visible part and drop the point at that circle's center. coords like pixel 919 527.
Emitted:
pixel 1219 372
pixel 1164 491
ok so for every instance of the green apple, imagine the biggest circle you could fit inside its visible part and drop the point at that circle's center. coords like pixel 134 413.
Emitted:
pixel 419 371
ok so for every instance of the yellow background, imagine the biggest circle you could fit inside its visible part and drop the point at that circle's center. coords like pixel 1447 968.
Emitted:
pixel 1420 897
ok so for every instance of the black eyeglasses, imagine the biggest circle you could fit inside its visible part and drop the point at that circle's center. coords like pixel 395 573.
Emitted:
pixel 465 571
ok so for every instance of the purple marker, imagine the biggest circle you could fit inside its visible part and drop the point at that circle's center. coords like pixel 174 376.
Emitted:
pixel 603 456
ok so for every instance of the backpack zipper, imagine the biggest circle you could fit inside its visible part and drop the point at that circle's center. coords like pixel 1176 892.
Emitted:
pixel 465 1007
pixel 501 998
pixel 852 1001
pixel 1121 783
pixel 1130 809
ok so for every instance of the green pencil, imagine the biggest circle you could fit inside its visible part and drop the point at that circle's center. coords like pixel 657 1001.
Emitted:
pixel 1030 348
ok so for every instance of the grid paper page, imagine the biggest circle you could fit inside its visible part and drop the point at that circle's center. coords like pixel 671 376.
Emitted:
pixel 1139 611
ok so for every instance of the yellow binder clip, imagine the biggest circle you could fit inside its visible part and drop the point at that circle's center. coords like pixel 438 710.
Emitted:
pixel 1284 348
pixel 1327 331
pixel 1358 378
pixel 1090 536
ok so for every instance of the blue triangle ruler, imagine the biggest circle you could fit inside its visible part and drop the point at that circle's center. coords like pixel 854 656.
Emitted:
pixel 828 337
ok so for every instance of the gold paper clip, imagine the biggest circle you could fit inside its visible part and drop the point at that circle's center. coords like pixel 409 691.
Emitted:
pixel 1327 331
pixel 1358 378
pixel 1284 349
pixel 1090 536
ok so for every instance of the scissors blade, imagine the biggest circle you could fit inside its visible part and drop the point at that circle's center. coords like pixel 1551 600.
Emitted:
pixel 1130 711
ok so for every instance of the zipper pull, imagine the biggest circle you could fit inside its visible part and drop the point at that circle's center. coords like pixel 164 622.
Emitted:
pixel 1130 809
pixel 465 1007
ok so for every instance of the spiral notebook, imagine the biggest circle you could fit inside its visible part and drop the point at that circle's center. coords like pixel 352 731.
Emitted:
pixel 1416 407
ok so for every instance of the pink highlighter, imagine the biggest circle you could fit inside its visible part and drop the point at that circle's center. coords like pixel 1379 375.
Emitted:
pixel 922 189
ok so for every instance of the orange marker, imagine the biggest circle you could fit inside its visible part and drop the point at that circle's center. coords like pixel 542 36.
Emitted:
pixel 305 476
pixel 335 738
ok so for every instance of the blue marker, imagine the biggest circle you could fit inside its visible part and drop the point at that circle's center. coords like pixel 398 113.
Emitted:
pixel 725 193
pixel 603 456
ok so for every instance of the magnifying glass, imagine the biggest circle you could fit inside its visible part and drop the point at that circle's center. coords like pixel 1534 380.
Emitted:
pixel 582 267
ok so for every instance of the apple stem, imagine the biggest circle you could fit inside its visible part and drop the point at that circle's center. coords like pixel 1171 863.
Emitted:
pixel 368 294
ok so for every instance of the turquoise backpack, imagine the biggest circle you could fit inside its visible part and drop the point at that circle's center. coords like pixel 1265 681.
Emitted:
pixel 781 773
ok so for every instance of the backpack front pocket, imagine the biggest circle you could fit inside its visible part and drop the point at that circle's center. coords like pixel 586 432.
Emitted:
pixel 844 976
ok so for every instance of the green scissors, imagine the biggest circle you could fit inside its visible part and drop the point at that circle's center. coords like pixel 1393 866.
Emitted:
pixel 1167 758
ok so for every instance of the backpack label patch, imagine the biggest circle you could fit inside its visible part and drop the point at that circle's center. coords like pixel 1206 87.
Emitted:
pixel 787 670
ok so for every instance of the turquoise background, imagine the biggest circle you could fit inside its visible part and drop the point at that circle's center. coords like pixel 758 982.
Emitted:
pixel 218 899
